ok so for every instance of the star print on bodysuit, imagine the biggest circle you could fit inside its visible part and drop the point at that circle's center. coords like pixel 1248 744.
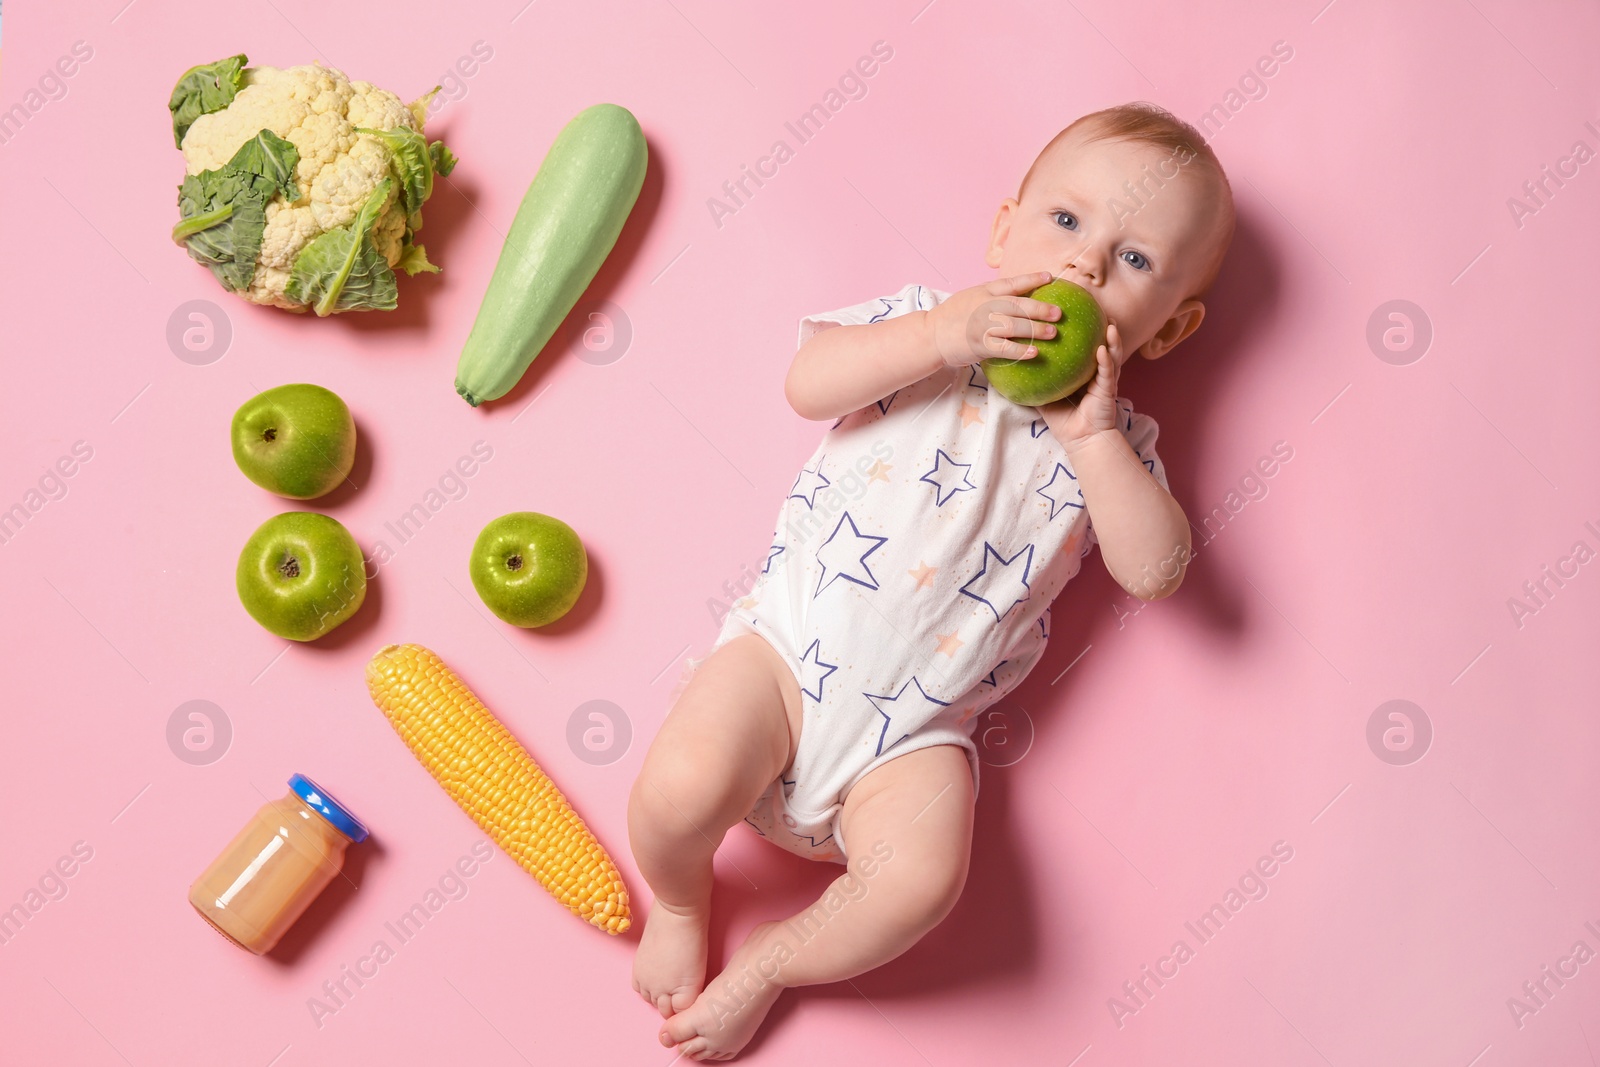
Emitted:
pixel 807 482
pixel 842 556
pixel 1002 583
pixel 1062 490
pixel 815 671
pixel 948 477
pixel 916 704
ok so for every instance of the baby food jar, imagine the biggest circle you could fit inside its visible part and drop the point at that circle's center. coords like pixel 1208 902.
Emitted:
pixel 275 867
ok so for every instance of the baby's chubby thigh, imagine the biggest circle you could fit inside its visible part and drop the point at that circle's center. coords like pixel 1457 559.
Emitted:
pixel 729 734
pixel 907 831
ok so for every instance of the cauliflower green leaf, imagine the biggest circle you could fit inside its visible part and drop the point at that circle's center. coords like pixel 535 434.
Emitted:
pixel 412 164
pixel 230 245
pixel 342 270
pixel 414 260
pixel 223 213
pixel 264 164
pixel 419 107
pixel 444 160
pixel 202 90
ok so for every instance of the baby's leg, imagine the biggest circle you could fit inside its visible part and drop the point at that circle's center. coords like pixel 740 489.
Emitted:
pixel 730 734
pixel 907 829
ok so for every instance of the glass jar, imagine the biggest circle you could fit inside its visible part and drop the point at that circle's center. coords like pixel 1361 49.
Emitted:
pixel 276 866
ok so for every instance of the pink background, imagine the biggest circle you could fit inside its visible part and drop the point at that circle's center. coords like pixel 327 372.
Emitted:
pixel 1173 754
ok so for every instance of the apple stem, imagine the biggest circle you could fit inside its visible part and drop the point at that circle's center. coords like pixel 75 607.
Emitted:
pixel 289 568
pixel 514 562
pixel 269 434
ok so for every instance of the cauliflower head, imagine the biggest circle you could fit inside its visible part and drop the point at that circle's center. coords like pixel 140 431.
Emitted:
pixel 304 188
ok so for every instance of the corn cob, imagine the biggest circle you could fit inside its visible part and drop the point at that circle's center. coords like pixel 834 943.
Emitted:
pixel 494 780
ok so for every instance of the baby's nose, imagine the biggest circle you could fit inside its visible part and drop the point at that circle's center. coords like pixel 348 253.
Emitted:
pixel 1077 273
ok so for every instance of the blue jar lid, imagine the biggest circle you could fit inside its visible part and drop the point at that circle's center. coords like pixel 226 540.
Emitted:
pixel 318 800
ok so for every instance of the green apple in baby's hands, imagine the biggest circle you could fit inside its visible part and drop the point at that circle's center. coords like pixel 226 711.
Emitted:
pixel 1066 362
pixel 298 441
pixel 528 568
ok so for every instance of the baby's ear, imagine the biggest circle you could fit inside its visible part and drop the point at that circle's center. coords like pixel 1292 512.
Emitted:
pixel 998 233
pixel 1185 319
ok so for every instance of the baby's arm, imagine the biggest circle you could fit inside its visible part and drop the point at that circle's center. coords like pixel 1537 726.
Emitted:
pixel 845 368
pixel 1143 532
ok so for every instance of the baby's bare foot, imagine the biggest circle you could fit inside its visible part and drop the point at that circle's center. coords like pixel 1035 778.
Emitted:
pixel 669 968
pixel 727 1014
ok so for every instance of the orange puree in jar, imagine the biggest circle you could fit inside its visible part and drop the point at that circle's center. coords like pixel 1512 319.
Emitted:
pixel 276 866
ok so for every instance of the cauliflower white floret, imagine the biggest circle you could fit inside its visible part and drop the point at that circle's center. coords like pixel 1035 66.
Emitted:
pixel 317 109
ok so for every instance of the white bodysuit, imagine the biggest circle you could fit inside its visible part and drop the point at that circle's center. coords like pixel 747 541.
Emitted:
pixel 909 580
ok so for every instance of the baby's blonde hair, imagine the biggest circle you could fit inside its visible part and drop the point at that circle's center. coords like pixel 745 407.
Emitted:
pixel 1147 123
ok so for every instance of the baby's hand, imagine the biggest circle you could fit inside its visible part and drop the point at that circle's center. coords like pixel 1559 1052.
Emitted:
pixel 978 323
pixel 1092 409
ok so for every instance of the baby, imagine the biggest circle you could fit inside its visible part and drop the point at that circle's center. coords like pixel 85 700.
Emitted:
pixel 834 713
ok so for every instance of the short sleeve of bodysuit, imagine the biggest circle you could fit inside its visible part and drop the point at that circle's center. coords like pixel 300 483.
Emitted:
pixel 909 298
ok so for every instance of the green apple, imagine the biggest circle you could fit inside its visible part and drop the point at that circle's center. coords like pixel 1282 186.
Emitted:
pixel 298 441
pixel 528 568
pixel 1066 362
pixel 301 574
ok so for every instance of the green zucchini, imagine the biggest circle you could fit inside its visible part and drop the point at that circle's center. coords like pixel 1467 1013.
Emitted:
pixel 567 224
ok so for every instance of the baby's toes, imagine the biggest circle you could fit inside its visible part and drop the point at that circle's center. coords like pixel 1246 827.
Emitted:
pixel 662 1002
pixel 680 1001
pixel 697 1050
pixel 680 1028
pixel 682 1032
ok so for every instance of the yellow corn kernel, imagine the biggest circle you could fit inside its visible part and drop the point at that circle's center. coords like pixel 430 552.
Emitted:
pixel 494 780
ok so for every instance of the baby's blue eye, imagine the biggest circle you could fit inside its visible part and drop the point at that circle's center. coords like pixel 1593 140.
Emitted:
pixel 1070 224
pixel 1136 260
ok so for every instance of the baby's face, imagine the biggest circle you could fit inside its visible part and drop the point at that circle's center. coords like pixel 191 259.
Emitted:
pixel 1139 255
